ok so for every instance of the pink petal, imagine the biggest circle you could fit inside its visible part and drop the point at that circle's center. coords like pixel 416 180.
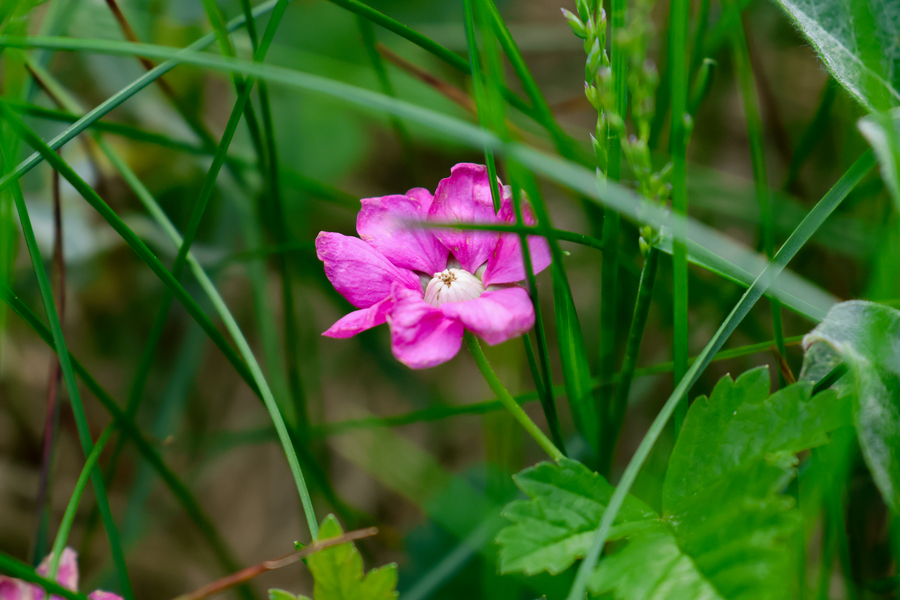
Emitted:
pixel 465 197
pixel 422 196
pixel 496 315
pixel 67 572
pixel 101 595
pixel 421 336
pixel 360 320
pixel 382 223
pixel 15 589
pixel 359 272
pixel 506 264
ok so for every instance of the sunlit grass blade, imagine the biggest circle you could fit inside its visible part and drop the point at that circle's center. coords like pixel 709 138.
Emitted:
pixel 795 242
pixel 566 174
pixel 84 432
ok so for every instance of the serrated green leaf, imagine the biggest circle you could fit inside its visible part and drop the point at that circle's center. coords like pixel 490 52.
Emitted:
pixel 743 423
pixel 673 575
pixel 857 41
pixel 554 528
pixel 726 520
pixel 275 594
pixel 338 572
pixel 867 337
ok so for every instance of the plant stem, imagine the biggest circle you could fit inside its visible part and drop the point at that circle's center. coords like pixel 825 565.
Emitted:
pixel 609 278
pixel 508 401
pixel 744 70
pixel 635 333
pixel 678 68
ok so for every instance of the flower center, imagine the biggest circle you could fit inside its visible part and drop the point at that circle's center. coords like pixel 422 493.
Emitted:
pixel 452 285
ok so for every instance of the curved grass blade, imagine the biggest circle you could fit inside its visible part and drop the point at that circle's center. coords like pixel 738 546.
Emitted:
pixel 795 242
pixel 567 174
pixel 20 570
pixel 84 433
pixel 178 488
pixel 124 94
pixel 160 271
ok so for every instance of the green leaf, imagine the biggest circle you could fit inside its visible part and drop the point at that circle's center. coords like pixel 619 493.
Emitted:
pixel 725 523
pixel 626 573
pixel 338 572
pixel 555 527
pixel 867 338
pixel 882 130
pixel 744 423
pixel 283 595
pixel 857 42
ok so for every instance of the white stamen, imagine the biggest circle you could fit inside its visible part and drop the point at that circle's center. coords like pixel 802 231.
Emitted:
pixel 452 285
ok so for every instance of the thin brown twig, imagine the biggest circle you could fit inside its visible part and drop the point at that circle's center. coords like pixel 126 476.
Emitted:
pixel 235 579
pixel 448 90
pixel 51 423
pixel 131 36
pixel 783 366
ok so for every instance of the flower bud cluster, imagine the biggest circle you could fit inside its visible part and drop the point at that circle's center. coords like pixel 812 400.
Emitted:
pixel 642 80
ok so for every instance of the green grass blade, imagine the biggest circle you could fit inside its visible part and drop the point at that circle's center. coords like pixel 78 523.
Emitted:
pixel 424 42
pixel 678 79
pixel 744 70
pixel 146 449
pixel 84 433
pixel 144 253
pixel 567 174
pixel 609 275
pixel 65 526
pixel 795 242
pixel 124 94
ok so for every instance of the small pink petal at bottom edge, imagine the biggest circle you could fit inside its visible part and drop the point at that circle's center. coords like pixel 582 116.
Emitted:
pixel 421 336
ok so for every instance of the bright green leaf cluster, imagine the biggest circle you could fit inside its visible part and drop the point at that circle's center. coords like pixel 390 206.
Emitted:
pixel 725 520
pixel 338 572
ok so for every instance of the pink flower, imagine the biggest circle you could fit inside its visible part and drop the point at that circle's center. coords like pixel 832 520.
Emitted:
pixel 66 576
pixel 430 285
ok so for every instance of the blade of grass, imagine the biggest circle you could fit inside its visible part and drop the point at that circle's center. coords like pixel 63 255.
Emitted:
pixel 632 347
pixel 124 94
pixel 144 253
pixel 609 275
pixel 51 422
pixel 678 79
pixel 178 488
pixel 744 70
pixel 65 526
pixel 567 174
pixel 794 243
pixel 84 433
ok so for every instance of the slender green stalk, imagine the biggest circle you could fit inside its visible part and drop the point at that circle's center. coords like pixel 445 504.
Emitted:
pixel 678 70
pixel 84 433
pixel 65 526
pixel 632 347
pixel 609 277
pixel 744 70
pixel 812 134
pixel 795 242
pixel 508 401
